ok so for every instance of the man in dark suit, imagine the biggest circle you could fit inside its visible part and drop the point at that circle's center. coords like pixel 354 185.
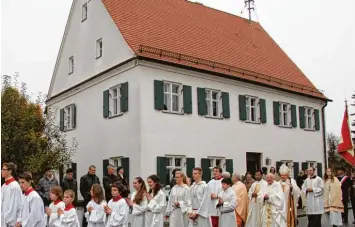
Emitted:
pixel 346 185
pixel 108 180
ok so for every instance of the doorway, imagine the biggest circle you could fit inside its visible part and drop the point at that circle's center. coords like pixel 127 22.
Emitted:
pixel 253 161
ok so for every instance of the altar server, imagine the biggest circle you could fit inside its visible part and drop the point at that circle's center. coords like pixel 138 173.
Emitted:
pixel 68 217
pixel 215 187
pixel 11 195
pixel 154 216
pixel 95 214
pixel 117 208
pixel 227 203
pixel 139 202
pixel 56 196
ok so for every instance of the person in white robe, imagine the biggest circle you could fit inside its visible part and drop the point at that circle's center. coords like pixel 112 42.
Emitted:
pixel 139 202
pixel 215 187
pixel 292 193
pixel 95 214
pixel 227 202
pixel 313 188
pixel 255 205
pixel 200 199
pixel 117 208
pixel 11 195
pixel 154 216
pixel 333 205
pixel 56 195
pixel 68 217
pixel 273 210
pixel 32 212
pixel 179 204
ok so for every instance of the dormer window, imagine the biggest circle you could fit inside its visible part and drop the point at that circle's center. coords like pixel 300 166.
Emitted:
pixel 84 12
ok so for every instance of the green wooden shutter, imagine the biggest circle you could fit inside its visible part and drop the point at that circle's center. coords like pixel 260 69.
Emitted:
pixel 242 108
pixel 201 101
pixel 276 106
pixel 262 106
pixel 225 105
pixel 73 117
pixel 319 170
pixel 316 120
pixel 278 165
pixel 296 169
pixel 158 94
pixel 125 165
pixel 190 165
pixel 304 165
pixel 187 96
pixel 124 97
pixel 229 166
pixel 106 103
pixel 74 168
pixel 294 116
pixel 162 171
pixel 61 119
pixel 105 163
pixel 205 165
pixel 301 112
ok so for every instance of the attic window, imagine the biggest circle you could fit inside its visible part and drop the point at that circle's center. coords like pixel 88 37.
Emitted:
pixel 98 48
pixel 84 12
pixel 71 64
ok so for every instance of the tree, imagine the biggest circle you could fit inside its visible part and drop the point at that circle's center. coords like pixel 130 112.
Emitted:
pixel 29 137
pixel 334 159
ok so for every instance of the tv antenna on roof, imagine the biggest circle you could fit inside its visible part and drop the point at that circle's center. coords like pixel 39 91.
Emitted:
pixel 249 4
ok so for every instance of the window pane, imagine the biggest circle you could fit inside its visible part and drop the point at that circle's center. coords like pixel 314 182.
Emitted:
pixel 215 109
pixel 114 92
pixel 218 162
pixel 284 107
pixel 285 118
pixel 209 111
pixel 211 163
pixel 214 95
pixel 175 88
pixel 177 162
pixel 115 106
pixel 208 94
pixel 166 87
pixel 175 103
pixel 253 114
pixel 166 101
pixel 252 102
pixel 248 113
pixel 169 161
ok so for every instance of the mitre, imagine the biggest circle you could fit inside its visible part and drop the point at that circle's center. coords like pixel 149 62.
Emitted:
pixel 284 169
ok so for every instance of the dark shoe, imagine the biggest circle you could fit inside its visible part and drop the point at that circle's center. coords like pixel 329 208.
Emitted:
pixel 353 222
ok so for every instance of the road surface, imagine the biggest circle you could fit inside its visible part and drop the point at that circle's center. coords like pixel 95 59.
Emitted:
pixel 303 221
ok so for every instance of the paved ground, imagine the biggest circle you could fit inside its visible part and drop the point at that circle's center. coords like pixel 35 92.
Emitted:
pixel 303 221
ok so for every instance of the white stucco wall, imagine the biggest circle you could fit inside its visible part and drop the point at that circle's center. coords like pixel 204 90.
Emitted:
pixel 80 42
pixel 101 138
pixel 199 137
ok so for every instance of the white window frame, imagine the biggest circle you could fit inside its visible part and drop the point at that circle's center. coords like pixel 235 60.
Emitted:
pixel 68 118
pixel 115 101
pixel 171 97
pixel 309 118
pixel 71 65
pixel 99 48
pixel 210 101
pixel 213 163
pixel 249 107
pixel 171 165
pixel 84 12
pixel 115 161
pixel 288 114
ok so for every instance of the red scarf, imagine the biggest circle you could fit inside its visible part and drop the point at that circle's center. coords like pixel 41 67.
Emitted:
pixel 29 191
pixel 117 198
pixel 68 207
pixel 9 181
pixel 57 201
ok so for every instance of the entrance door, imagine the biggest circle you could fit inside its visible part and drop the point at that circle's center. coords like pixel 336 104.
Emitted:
pixel 253 162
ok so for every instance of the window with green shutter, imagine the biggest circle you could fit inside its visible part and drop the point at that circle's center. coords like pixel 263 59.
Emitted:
pixel 190 165
pixel 158 95
pixel 276 108
pixel 161 170
pixel 61 119
pixel 187 97
pixel 294 116
pixel 229 166
pixel 201 101
pixel 205 165
pixel 242 108
pixel 124 97
pixel 225 105
pixel 262 104
pixel 302 118
pixel 316 120
pixel 106 103
pixel 305 165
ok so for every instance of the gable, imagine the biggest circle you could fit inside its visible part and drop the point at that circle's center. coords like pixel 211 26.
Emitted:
pixel 79 41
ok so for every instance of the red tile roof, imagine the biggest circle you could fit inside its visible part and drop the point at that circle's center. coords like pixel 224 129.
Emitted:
pixel 199 32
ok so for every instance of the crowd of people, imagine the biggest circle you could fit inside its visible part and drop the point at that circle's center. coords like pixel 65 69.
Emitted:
pixel 253 200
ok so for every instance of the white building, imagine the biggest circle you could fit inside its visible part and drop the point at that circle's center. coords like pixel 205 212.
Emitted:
pixel 157 84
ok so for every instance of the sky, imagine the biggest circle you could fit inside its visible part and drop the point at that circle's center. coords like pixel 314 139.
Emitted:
pixel 318 35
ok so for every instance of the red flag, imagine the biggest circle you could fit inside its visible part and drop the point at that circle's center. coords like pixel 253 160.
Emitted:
pixel 345 147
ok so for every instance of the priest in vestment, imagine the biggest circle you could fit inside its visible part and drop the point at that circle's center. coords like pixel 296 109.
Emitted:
pixel 313 188
pixel 273 210
pixel 242 199
pixel 255 204
pixel 292 193
pixel 214 188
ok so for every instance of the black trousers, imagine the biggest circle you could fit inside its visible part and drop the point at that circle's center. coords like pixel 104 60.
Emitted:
pixel 346 210
pixel 352 199
pixel 315 220
pixel 85 223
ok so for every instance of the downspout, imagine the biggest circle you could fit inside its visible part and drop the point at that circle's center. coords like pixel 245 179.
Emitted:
pixel 324 137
